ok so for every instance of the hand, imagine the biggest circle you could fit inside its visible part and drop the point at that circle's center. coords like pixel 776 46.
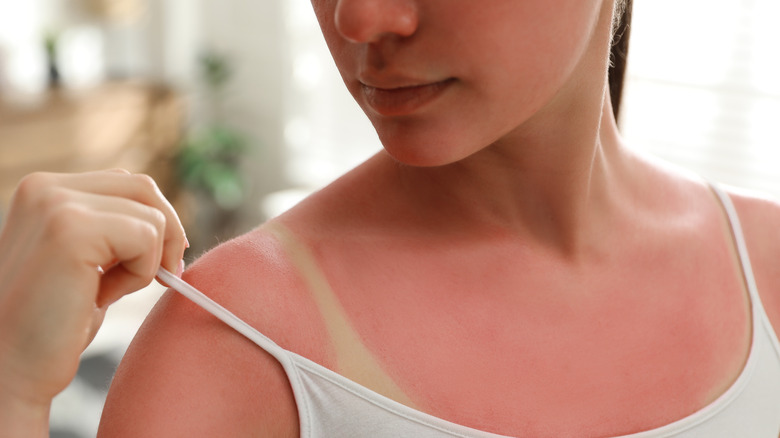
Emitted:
pixel 61 231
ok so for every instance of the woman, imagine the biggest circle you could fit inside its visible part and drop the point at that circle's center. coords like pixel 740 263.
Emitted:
pixel 505 267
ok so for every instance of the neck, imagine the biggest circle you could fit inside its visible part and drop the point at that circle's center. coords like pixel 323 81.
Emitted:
pixel 557 179
pixel 557 192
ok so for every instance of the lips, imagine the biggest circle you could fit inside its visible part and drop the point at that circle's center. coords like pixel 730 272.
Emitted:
pixel 403 100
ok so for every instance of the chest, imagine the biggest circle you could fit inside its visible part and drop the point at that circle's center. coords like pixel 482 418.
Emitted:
pixel 518 348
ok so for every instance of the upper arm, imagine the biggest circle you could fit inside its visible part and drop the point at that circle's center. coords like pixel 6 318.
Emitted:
pixel 180 378
pixel 188 374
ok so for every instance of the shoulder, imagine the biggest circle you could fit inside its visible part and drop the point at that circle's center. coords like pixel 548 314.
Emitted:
pixel 188 374
pixel 759 215
pixel 254 277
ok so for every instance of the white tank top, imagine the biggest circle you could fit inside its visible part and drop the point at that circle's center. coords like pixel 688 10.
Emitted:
pixel 330 405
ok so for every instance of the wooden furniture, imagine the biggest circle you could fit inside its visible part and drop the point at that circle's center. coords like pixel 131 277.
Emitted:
pixel 131 125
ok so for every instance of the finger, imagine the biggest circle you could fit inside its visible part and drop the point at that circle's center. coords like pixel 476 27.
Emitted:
pixel 178 273
pixel 140 188
pixel 119 170
pixel 47 192
pixel 117 283
pixel 88 216
pixel 43 187
pixel 98 315
pixel 104 204
pixel 137 250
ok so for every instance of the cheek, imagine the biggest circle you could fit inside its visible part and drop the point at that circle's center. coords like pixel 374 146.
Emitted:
pixel 533 54
pixel 325 11
pixel 521 65
pixel 345 55
pixel 459 127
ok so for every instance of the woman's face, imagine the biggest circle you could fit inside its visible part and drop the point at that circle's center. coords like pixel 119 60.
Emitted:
pixel 442 79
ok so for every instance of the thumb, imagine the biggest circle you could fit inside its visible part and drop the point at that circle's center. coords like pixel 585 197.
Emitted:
pixel 98 315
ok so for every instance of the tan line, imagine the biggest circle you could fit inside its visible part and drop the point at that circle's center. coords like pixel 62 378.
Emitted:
pixel 354 360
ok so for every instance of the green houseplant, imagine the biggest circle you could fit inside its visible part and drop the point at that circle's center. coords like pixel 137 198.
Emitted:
pixel 208 163
pixel 209 158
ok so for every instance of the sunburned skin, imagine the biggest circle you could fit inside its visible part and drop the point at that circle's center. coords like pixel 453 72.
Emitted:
pixel 488 334
pixel 505 291
pixel 352 357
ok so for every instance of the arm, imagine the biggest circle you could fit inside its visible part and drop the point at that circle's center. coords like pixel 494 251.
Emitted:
pixel 186 374
pixel 59 230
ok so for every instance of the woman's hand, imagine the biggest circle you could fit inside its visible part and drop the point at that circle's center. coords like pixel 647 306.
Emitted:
pixel 70 246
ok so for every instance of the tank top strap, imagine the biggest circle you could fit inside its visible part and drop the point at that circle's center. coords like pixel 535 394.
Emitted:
pixel 224 315
pixel 739 241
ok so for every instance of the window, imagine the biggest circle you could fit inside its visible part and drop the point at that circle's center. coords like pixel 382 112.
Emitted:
pixel 703 88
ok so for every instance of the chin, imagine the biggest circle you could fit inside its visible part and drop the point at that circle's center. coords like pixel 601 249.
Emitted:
pixel 417 161
pixel 422 155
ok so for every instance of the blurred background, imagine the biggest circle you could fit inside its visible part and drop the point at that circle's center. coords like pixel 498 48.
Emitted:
pixel 236 109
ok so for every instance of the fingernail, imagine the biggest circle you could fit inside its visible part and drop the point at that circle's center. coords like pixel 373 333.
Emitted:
pixel 180 269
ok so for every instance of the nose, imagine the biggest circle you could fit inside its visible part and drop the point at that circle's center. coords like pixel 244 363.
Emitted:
pixel 368 21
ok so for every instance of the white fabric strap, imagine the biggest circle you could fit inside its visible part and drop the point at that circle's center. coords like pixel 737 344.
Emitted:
pixel 739 240
pixel 222 314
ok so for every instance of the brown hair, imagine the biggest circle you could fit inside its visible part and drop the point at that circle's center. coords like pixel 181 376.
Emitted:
pixel 619 52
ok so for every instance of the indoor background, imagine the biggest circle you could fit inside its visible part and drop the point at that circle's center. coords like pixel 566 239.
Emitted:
pixel 235 107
